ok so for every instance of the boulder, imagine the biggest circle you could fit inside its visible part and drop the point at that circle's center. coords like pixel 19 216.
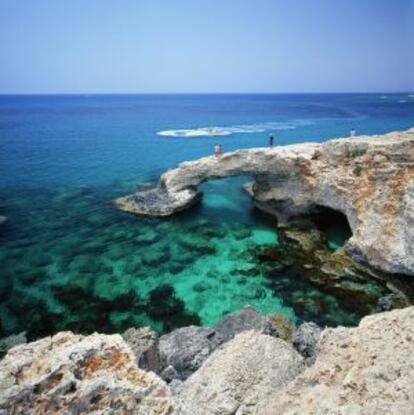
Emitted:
pixel 367 370
pixel 144 344
pixel 183 350
pixel 305 339
pixel 239 377
pixel 73 374
pixel 245 319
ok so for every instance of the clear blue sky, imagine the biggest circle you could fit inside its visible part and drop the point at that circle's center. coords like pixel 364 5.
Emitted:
pixel 128 46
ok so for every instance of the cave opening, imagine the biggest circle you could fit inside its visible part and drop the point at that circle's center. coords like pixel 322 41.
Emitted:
pixel 333 224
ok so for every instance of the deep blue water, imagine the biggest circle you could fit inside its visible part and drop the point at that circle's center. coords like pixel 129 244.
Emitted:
pixel 64 158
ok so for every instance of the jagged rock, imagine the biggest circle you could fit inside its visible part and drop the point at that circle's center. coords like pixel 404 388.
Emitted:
pixel 239 377
pixel 370 179
pixel 183 350
pixel 144 344
pixel 364 370
pixel 8 342
pixel 72 374
pixel 245 319
pixel 305 339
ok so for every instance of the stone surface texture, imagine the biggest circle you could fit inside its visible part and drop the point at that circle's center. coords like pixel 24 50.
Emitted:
pixel 370 179
pixel 239 377
pixel 367 370
pixel 73 374
pixel 184 350
pixel 144 344
pixel 306 338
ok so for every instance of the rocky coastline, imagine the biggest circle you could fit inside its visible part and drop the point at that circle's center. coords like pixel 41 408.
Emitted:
pixel 247 364
pixel 369 179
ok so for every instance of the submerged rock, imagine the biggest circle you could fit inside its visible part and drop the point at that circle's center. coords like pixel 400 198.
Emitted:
pixel 71 374
pixel 144 344
pixel 2 219
pixel 362 370
pixel 239 377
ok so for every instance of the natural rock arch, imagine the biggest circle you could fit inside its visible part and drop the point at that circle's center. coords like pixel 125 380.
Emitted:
pixel 369 179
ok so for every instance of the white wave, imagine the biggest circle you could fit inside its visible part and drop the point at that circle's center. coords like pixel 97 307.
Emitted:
pixel 237 129
pixel 402 101
pixel 411 96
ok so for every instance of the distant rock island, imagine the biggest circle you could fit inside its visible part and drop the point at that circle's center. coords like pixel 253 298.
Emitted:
pixel 369 179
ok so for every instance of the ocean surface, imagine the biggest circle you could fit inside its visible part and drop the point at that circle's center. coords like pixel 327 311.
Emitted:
pixel 70 260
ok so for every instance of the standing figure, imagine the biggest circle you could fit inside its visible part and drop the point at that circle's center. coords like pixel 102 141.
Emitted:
pixel 352 132
pixel 271 140
pixel 218 151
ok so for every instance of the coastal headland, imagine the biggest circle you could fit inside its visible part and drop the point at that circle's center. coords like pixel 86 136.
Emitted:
pixel 369 179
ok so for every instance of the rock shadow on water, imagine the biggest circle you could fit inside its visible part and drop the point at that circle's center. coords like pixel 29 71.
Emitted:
pixel 164 306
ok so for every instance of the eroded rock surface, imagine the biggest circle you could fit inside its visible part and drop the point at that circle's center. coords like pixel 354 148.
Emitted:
pixel 370 179
pixel 367 370
pixel 238 378
pixel 184 350
pixel 144 344
pixel 73 374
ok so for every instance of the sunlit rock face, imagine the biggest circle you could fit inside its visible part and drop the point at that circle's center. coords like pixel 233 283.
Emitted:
pixel 362 370
pixel 73 374
pixel 370 179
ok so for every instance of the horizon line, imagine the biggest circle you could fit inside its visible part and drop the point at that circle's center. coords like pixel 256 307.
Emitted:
pixel 203 93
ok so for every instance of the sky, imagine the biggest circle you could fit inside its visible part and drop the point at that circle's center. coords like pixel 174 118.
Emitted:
pixel 190 46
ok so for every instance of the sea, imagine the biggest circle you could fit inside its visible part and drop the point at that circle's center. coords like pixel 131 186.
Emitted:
pixel 70 260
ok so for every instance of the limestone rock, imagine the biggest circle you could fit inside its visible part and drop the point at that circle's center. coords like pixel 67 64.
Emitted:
pixel 238 378
pixel 245 319
pixel 73 374
pixel 370 179
pixel 364 370
pixel 144 344
pixel 305 339
pixel 183 350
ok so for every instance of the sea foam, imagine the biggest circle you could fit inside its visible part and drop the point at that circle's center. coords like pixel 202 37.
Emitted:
pixel 236 129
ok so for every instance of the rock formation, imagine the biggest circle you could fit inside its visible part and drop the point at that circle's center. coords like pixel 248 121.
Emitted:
pixel 364 370
pixel 238 378
pixel 184 350
pixel 144 344
pixel 370 179
pixel 72 374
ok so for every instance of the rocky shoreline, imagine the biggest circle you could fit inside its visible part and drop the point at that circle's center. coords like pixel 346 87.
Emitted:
pixel 247 364
pixel 369 179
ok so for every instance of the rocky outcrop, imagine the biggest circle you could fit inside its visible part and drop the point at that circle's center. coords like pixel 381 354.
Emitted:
pixel 370 179
pixel 305 340
pixel 144 344
pixel 72 374
pixel 184 350
pixel 364 370
pixel 239 377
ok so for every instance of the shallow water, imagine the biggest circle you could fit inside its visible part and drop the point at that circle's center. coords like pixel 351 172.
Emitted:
pixel 70 260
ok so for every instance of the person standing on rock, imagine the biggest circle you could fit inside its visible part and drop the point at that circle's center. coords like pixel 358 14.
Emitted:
pixel 352 132
pixel 271 140
pixel 218 151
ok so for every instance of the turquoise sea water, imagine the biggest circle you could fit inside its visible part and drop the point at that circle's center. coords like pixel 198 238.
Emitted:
pixel 70 260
